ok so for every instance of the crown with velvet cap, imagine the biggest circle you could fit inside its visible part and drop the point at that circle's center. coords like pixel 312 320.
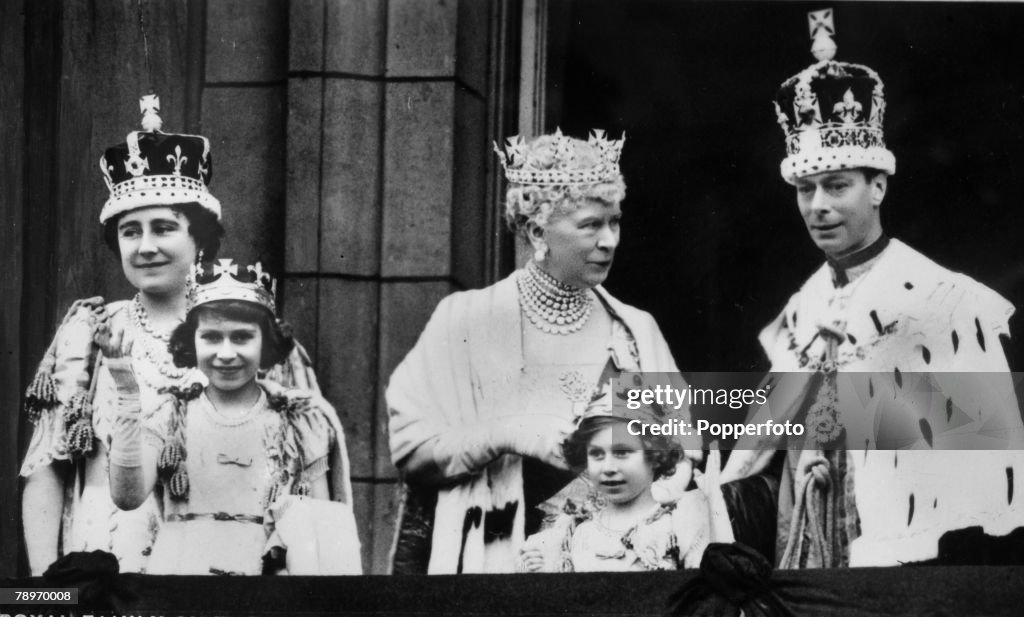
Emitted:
pixel 831 112
pixel 221 280
pixel 560 165
pixel 156 169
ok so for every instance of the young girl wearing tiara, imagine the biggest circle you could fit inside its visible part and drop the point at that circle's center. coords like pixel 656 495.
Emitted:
pixel 621 527
pixel 244 466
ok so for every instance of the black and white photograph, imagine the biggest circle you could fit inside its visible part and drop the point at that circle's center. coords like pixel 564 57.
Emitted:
pixel 369 307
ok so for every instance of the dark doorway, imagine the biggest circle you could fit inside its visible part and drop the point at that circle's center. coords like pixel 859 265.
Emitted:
pixel 712 242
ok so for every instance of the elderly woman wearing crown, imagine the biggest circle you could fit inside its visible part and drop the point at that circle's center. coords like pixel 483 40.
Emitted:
pixel 159 219
pixel 482 403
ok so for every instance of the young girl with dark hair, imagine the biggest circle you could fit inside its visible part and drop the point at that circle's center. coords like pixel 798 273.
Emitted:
pixel 621 527
pixel 239 461
pixel 157 235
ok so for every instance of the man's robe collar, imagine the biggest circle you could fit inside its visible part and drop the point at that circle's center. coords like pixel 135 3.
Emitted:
pixel 845 269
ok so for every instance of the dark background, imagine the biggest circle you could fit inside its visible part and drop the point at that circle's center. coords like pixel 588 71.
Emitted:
pixel 712 241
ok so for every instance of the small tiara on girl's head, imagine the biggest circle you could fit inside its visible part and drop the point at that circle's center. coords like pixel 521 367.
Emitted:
pixel 221 281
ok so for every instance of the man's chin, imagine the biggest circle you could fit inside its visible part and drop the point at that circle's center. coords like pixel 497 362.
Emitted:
pixel 832 247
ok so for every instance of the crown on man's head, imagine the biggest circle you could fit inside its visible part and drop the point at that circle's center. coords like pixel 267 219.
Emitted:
pixel 832 112
pixel 561 166
pixel 221 280
pixel 156 169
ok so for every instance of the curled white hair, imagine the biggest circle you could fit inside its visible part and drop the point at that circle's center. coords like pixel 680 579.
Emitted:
pixel 530 202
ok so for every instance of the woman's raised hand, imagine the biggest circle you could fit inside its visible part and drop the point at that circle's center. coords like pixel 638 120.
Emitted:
pixel 116 346
pixel 113 343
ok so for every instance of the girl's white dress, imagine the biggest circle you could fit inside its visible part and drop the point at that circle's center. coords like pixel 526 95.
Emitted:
pixel 670 536
pixel 72 402
pixel 218 521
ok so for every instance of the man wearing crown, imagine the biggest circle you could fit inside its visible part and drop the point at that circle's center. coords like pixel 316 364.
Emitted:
pixel 873 482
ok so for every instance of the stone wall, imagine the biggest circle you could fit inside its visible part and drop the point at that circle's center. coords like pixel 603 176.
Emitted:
pixel 351 147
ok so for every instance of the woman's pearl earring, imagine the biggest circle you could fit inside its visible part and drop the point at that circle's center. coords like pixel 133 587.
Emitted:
pixel 540 253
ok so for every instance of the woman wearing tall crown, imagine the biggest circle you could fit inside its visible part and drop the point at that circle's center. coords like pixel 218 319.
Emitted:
pixel 159 219
pixel 480 406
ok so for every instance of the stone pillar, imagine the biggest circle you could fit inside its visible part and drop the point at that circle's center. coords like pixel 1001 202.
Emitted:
pixel 387 163
pixel 243 114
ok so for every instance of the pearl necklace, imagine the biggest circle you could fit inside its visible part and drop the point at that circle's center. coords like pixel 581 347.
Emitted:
pixel 150 346
pixel 550 305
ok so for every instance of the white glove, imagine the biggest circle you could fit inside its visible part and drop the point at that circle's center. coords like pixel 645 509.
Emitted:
pixel 469 449
pixel 126 433
pixel 538 436
pixel 116 348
